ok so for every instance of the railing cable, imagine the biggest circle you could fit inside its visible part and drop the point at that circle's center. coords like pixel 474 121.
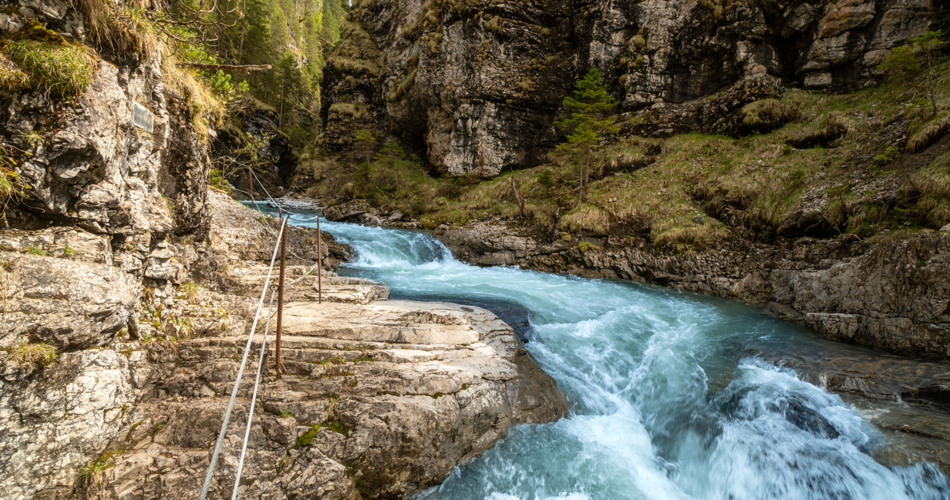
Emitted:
pixel 237 381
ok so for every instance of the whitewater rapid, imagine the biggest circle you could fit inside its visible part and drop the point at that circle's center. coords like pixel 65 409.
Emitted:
pixel 667 402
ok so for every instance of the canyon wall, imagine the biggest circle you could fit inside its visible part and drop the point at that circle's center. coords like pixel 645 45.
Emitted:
pixel 475 86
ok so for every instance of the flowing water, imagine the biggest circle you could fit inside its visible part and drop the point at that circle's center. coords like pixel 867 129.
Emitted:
pixel 667 404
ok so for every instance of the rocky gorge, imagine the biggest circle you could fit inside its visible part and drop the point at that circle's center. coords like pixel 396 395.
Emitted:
pixel 699 67
pixel 129 286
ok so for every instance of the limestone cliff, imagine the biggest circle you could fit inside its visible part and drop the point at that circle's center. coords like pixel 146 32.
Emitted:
pixel 476 86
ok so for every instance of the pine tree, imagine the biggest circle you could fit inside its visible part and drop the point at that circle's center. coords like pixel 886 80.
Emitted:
pixel 587 122
pixel 903 62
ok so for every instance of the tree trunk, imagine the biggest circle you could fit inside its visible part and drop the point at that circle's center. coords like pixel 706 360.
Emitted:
pixel 930 79
pixel 240 59
pixel 586 174
pixel 227 67
pixel 518 195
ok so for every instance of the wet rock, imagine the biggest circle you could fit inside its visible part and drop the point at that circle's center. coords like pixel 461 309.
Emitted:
pixel 809 420
pixel 348 212
pixel 907 399
pixel 70 304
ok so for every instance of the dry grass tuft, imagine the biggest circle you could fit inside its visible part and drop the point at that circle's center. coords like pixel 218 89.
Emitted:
pixel 929 135
pixel 767 114
pixel 586 218
pixel 29 355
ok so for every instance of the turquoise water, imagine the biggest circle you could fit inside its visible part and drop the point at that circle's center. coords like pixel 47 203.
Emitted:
pixel 667 404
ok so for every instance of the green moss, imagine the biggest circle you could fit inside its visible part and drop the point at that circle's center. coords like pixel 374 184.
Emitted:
pixel 338 427
pixel 128 435
pixel 307 437
pixel 586 246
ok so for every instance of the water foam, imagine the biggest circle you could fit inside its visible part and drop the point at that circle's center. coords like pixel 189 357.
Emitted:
pixel 666 406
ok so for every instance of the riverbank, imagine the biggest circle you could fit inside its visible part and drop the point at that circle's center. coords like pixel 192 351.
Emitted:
pixel 380 398
pixel 890 295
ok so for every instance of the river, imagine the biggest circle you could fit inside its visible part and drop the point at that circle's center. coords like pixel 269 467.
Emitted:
pixel 667 402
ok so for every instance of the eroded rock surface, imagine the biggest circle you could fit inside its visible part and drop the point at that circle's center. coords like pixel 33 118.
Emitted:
pixel 56 420
pixel 70 304
pixel 892 296
pixel 380 399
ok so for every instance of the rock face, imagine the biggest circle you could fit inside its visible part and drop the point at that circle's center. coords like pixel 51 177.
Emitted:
pixel 56 420
pixel 69 304
pixel 102 173
pixel 892 295
pixel 477 85
pixel 379 400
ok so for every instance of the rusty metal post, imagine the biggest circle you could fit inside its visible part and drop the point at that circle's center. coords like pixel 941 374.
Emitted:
pixel 280 290
pixel 319 265
pixel 250 181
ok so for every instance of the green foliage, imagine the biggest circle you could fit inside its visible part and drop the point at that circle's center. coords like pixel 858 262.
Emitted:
pixel 37 251
pixel 94 471
pixel 216 180
pixel 904 63
pixel 60 69
pixel 587 120
pixel 889 155
pixel 546 179
pixel 8 183
pixel 901 63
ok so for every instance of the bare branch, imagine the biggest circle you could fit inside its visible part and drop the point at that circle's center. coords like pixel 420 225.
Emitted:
pixel 227 67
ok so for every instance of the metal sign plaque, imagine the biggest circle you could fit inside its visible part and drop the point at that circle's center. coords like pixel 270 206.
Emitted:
pixel 142 117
